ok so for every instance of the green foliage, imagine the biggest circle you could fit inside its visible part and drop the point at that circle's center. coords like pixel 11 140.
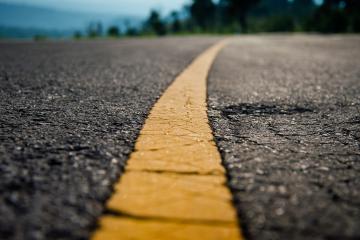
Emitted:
pixel 238 10
pixel 276 23
pixel 155 24
pixel 280 23
pixel 113 31
pixel 132 32
pixel 302 8
pixel 203 13
pixel 352 10
pixel 355 23
pixel 39 37
pixel 328 18
pixel 175 25
pixel 77 35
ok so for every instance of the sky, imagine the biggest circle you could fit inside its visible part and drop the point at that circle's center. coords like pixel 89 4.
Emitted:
pixel 128 7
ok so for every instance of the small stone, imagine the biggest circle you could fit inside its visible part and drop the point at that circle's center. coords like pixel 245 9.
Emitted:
pixel 247 175
pixel 114 161
pixel 303 166
pixel 282 189
pixel 279 211
pixel 271 188
pixel 326 169
pixel 105 183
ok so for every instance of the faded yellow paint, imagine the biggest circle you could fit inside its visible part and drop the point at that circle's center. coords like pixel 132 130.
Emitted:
pixel 171 195
pixel 126 228
pixel 174 186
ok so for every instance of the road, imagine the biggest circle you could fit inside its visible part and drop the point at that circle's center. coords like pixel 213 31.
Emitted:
pixel 285 113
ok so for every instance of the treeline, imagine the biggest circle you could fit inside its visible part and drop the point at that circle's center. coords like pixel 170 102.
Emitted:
pixel 248 16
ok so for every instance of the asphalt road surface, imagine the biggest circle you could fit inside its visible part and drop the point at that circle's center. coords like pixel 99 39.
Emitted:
pixel 286 115
pixel 285 111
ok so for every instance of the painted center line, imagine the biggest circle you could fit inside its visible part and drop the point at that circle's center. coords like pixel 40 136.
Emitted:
pixel 174 186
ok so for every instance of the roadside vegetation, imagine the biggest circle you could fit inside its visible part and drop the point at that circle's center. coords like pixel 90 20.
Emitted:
pixel 243 16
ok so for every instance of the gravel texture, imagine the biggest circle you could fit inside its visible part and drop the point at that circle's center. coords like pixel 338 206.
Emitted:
pixel 286 115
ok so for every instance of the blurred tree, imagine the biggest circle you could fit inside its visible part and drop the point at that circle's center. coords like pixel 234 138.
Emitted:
pixel 301 11
pixel 155 24
pixel 187 22
pixel 238 10
pixel 113 31
pixel 132 32
pixel 330 17
pixel 271 16
pixel 77 35
pixel 176 24
pixel 352 9
pixel 39 37
pixel 267 8
pixel 203 13
pixel 222 13
pixel 95 29
pixel 302 8
pixel 279 23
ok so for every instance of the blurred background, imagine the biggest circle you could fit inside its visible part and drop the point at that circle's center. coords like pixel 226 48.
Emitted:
pixel 82 19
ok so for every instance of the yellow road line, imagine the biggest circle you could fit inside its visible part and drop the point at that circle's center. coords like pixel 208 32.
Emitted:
pixel 174 186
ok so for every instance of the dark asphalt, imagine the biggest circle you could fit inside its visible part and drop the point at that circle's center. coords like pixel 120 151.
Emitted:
pixel 285 112
pixel 70 113
pixel 286 116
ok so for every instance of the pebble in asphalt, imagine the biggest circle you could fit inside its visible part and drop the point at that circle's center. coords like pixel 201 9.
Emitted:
pixel 70 114
pixel 286 115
